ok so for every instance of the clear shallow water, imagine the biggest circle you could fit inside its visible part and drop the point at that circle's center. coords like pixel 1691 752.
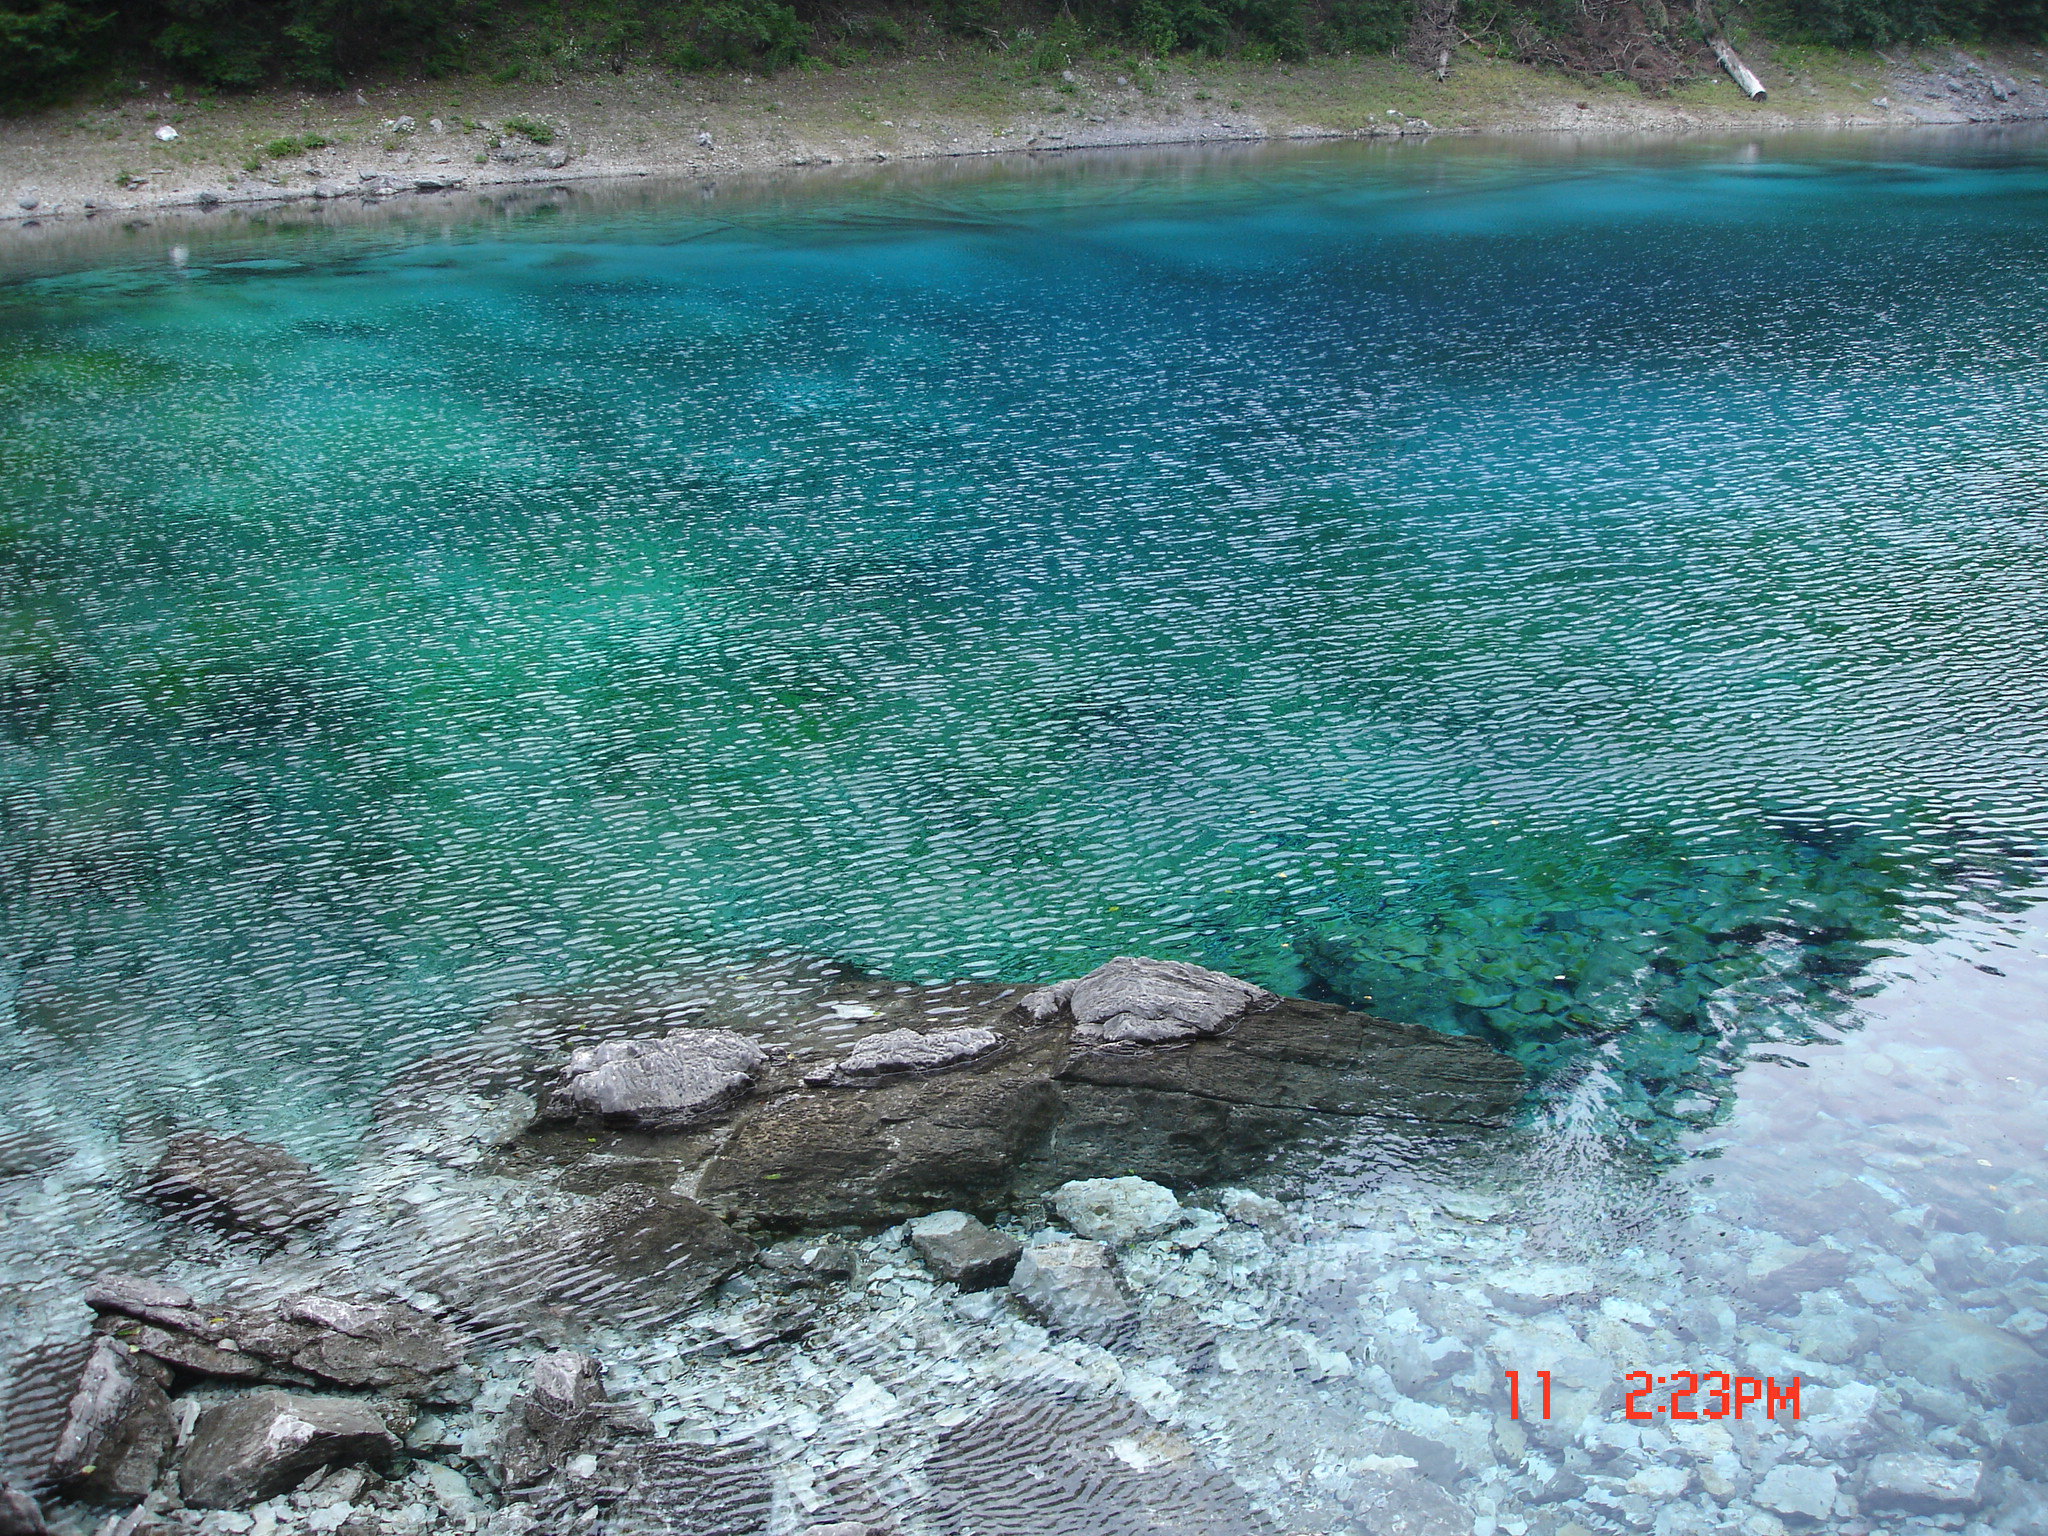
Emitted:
pixel 1592 600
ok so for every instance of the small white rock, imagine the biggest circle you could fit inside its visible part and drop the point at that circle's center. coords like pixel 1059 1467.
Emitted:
pixel 166 133
pixel 1119 1210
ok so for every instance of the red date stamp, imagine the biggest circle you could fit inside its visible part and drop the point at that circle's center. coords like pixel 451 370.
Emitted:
pixel 1687 1395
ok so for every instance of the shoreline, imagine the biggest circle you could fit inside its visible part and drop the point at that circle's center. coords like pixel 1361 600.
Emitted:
pixel 419 137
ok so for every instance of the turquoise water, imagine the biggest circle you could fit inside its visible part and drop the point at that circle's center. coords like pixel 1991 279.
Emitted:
pixel 1589 598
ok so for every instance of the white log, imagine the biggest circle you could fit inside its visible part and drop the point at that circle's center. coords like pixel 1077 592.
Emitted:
pixel 1738 71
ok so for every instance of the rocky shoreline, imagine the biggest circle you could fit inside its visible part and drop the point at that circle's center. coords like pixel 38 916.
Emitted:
pixel 415 140
pixel 561 1196
pixel 1320 1356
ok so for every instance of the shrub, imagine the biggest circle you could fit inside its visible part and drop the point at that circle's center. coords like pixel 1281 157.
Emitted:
pixel 530 128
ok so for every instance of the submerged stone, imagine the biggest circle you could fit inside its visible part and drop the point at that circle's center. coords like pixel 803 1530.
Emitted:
pixel 258 1446
pixel 1072 1286
pixel 116 1427
pixel 1914 1483
pixel 244 1186
pixel 959 1249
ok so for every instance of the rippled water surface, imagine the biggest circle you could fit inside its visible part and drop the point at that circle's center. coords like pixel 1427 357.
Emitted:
pixel 1591 600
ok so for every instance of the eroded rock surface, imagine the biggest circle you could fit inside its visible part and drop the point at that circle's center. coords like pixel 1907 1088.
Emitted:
pixel 905 1052
pixel 682 1079
pixel 1135 1001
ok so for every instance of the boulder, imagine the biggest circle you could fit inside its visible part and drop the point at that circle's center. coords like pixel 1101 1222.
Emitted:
pixel 904 1052
pixel 255 1447
pixel 20 1515
pixel 386 1346
pixel 959 1249
pixel 116 1427
pixel 1913 1483
pixel 561 1416
pixel 686 1077
pixel 1072 1286
pixel 1115 1211
pixel 240 1185
pixel 1138 1002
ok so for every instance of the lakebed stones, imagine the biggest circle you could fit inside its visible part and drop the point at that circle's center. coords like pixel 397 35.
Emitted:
pixel 959 1249
pixel 1134 1001
pixel 259 1445
pixel 240 1185
pixel 1115 1211
pixel 682 1079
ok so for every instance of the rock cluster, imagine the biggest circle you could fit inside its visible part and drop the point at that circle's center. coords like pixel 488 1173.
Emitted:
pixel 113 1433
pixel 1187 1075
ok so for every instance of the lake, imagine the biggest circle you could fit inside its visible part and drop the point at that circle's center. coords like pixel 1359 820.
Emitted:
pixel 1585 597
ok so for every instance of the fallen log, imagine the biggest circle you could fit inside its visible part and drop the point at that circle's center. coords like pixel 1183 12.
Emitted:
pixel 1744 78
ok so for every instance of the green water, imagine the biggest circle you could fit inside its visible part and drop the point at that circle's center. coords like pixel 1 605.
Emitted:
pixel 1581 597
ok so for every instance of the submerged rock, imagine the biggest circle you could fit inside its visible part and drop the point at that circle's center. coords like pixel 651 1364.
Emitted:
pixel 686 1077
pixel 1072 1286
pixel 961 1250
pixel 1114 1211
pixel 1134 1001
pixel 116 1428
pixel 634 1254
pixel 818 1157
pixel 241 1185
pixel 568 1451
pixel 562 1416
pixel 1000 1126
pixel 258 1446
pixel 1913 1483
